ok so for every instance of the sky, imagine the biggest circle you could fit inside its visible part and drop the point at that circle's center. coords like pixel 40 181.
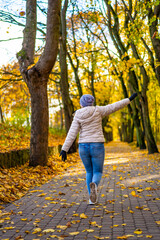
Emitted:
pixel 8 49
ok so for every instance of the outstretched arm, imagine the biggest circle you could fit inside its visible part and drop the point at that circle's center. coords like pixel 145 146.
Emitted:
pixel 111 108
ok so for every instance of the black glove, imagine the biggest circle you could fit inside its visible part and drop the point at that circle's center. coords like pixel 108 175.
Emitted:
pixel 132 96
pixel 64 155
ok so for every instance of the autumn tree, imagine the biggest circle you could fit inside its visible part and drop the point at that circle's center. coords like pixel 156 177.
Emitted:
pixel 13 94
pixel 97 28
pixel 153 10
pixel 36 76
pixel 72 48
pixel 113 20
pixel 67 102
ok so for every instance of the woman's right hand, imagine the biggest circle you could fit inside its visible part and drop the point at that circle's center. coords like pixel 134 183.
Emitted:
pixel 64 155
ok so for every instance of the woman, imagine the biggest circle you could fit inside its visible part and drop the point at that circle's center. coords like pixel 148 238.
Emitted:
pixel 88 121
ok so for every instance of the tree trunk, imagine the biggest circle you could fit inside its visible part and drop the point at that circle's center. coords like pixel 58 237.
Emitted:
pixel 93 64
pixel 1 115
pixel 156 118
pixel 39 123
pixel 67 103
pixel 75 69
pixel 153 28
pixel 132 133
pixel 151 144
pixel 133 110
pixel 61 118
pixel 37 76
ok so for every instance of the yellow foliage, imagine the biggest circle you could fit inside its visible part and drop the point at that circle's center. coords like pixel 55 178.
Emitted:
pixel 15 182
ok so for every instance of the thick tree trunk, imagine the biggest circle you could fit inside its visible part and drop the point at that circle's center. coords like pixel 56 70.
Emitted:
pixel 37 76
pixel 39 123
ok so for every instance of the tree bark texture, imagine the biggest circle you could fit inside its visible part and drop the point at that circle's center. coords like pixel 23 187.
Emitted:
pixel 151 144
pixel 75 69
pixel 67 102
pixel 153 28
pixel 133 111
pixel 1 115
pixel 37 76
pixel 75 66
pixel 39 120
pixel 30 31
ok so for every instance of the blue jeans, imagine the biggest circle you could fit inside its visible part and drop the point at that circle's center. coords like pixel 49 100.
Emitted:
pixel 92 156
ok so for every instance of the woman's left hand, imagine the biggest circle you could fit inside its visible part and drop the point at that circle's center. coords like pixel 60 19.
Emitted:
pixel 133 96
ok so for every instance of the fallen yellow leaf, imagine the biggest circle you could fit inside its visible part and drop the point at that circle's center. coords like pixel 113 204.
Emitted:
pixel 23 219
pixel 126 196
pixel 36 230
pixel 42 194
pixel 138 231
pixel 158 222
pixel 48 198
pixel 48 230
pixel 75 215
pixel 88 230
pixel 63 227
pixel 131 211
pixel 133 193
pixel 8 228
pixel 82 215
pixel 125 236
pixel 74 233
pixel 114 226
pixel 114 167
pixel 99 237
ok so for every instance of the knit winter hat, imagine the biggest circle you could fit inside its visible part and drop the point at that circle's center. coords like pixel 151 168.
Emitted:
pixel 87 100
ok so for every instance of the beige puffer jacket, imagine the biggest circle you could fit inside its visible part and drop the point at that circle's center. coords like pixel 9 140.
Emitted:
pixel 88 121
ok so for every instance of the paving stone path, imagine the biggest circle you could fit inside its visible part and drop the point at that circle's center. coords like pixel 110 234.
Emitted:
pixel 128 202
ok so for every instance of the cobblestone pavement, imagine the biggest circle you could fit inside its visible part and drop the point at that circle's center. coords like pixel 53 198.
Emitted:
pixel 128 202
